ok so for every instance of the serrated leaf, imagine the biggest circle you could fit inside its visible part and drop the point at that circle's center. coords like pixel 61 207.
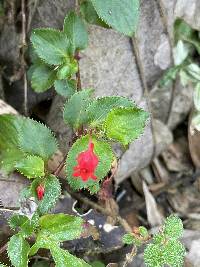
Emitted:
pixel 90 15
pixel 105 155
pixel 51 45
pixel 9 131
pixel 35 138
pixel 65 88
pixel 196 97
pixel 31 167
pixel 122 15
pixel 99 108
pixel 173 227
pixel 18 249
pixel 173 253
pixel 153 256
pixel 180 52
pixel 51 194
pixel 26 225
pixel 9 158
pixel 42 77
pixel 60 227
pixel 63 258
pixel 128 239
pixel 75 108
pixel 125 124
pixel 76 31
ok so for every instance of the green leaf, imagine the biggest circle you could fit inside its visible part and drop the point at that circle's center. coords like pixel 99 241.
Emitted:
pixel 3 265
pixel 90 15
pixel 18 249
pixel 63 258
pixel 183 31
pixel 125 124
pixel 196 97
pixel 97 264
pixel 35 138
pixel 67 70
pixel 128 239
pixel 51 45
pixel 76 31
pixel 153 256
pixel 173 227
pixel 185 78
pixel 169 76
pixel 143 231
pixel 26 225
pixel 99 108
pixel 9 158
pixel 102 150
pixel 180 52
pixel 9 131
pixel 42 77
pixel 122 15
pixel 65 88
pixel 193 70
pixel 173 253
pixel 31 167
pixel 75 108
pixel 60 227
pixel 51 194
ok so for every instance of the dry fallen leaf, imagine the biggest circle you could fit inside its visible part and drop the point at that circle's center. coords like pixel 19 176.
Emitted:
pixel 153 214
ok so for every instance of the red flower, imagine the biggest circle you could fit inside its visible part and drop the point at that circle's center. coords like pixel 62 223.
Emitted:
pixel 40 192
pixel 87 164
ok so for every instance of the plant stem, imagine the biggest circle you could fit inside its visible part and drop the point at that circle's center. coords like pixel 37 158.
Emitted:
pixel 3 248
pixel 130 256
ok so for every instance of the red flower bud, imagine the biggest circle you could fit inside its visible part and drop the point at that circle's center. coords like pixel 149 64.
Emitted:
pixel 87 164
pixel 40 192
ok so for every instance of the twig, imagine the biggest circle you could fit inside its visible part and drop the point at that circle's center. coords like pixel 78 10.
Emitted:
pixel 23 57
pixel 60 166
pixel 97 207
pixel 130 256
pixel 78 75
pixel 31 14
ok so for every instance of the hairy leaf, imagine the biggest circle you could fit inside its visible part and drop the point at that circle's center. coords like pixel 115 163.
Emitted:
pixel 31 167
pixel 153 256
pixel 9 158
pixel 173 227
pixel 173 253
pixel 75 108
pixel 26 225
pixel 35 138
pixel 125 124
pixel 99 108
pixel 63 258
pixel 65 88
pixel 51 194
pixel 105 155
pixel 90 14
pixel 122 15
pixel 76 31
pixel 194 71
pixel 128 239
pixel 18 249
pixel 42 78
pixel 60 227
pixel 51 45
pixel 9 131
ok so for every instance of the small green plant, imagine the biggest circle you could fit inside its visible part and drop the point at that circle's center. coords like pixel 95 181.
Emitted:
pixel 165 247
pixel 186 66
pixel 27 145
